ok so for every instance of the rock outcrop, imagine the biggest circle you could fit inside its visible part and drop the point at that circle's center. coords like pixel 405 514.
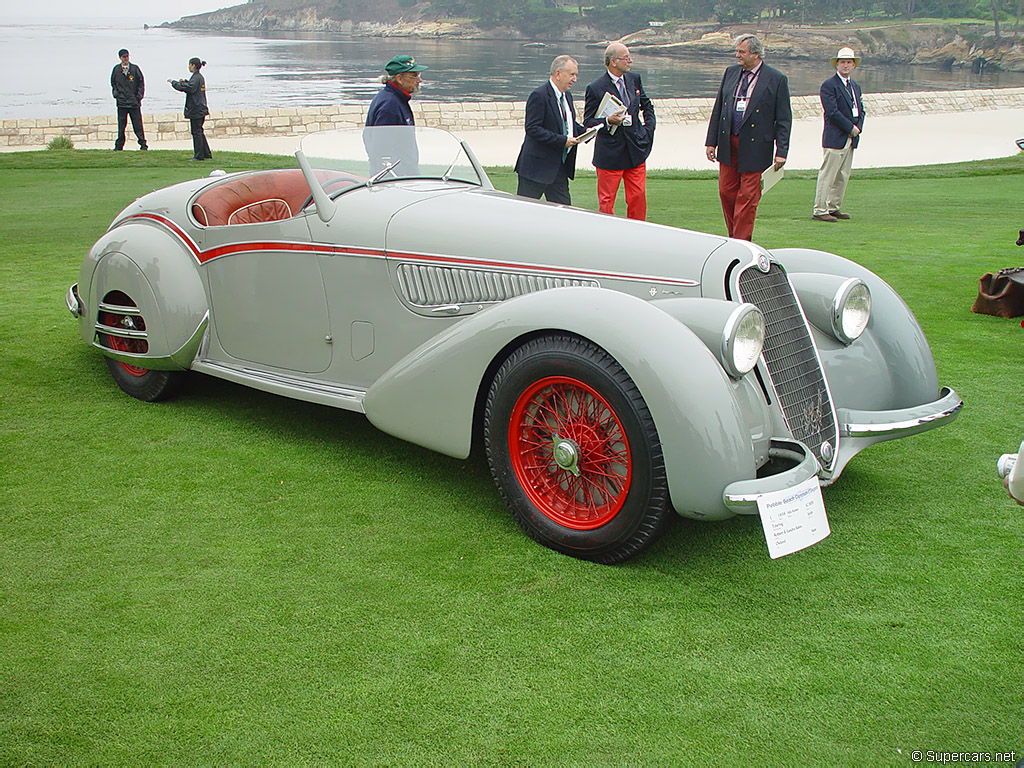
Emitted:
pixel 944 45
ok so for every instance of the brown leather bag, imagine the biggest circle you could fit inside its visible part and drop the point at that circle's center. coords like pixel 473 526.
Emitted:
pixel 1001 294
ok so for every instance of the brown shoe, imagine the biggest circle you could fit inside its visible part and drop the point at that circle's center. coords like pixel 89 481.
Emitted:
pixel 824 217
pixel 839 214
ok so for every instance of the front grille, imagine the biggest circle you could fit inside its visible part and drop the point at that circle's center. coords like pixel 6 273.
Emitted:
pixel 429 286
pixel 791 360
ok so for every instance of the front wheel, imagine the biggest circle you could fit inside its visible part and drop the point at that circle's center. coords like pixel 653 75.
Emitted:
pixel 574 451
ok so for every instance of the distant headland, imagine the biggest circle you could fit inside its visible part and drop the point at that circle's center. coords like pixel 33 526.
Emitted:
pixel 933 43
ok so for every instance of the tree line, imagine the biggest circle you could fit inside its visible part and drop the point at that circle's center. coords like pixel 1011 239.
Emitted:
pixel 550 18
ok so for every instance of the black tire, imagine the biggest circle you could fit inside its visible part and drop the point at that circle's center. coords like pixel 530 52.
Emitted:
pixel 143 383
pixel 574 451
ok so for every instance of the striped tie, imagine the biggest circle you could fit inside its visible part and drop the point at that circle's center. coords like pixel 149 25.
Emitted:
pixel 565 123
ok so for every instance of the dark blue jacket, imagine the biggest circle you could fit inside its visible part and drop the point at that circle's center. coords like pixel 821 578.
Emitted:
pixel 630 145
pixel 390 107
pixel 767 122
pixel 541 153
pixel 838 107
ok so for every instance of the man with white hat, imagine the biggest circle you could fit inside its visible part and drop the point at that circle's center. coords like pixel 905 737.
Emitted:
pixel 844 121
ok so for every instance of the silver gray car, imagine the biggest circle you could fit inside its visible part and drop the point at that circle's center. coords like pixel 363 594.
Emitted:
pixel 615 372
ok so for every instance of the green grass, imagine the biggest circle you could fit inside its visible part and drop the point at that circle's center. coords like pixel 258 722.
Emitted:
pixel 235 578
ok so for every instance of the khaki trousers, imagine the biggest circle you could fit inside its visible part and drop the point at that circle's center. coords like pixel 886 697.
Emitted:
pixel 832 178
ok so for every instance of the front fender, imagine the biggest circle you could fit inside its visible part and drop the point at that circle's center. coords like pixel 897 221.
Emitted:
pixel 160 275
pixel 429 397
pixel 891 365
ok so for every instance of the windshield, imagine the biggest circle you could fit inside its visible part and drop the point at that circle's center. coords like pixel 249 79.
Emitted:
pixel 351 156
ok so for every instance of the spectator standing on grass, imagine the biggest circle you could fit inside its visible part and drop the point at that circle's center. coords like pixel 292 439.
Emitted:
pixel 844 121
pixel 547 159
pixel 624 141
pixel 128 86
pixel 196 109
pixel 751 117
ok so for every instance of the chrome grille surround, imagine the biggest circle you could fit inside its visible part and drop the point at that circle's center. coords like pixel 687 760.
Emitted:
pixel 425 285
pixel 792 362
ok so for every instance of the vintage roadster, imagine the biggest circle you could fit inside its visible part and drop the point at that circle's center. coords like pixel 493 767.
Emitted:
pixel 614 372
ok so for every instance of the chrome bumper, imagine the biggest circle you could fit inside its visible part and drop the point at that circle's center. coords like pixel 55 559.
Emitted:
pixel 741 496
pixel 886 425
pixel 73 302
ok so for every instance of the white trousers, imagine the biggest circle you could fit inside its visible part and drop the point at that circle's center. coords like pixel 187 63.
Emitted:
pixel 832 178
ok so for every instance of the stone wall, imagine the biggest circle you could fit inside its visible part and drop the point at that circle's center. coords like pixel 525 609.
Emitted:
pixel 455 117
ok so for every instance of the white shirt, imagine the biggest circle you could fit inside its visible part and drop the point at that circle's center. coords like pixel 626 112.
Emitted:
pixel 849 88
pixel 564 106
pixel 620 87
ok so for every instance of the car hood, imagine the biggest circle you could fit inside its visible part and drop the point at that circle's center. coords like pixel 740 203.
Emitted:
pixel 503 228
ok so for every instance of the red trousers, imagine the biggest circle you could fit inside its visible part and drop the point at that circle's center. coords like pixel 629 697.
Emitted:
pixel 740 194
pixel 635 180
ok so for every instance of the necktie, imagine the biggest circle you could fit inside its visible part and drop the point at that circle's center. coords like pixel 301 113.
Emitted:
pixel 622 92
pixel 565 122
pixel 737 115
pixel 849 87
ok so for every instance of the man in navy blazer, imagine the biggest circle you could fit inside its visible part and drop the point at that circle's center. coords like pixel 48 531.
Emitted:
pixel 748 131
pixel 844 121
pixel 547 159
pixel 624 141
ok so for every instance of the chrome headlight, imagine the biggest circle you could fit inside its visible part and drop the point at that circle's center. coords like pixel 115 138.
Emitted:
pixel 851 310
pixel 742 340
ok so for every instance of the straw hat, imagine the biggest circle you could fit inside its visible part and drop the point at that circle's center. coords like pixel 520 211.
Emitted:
pixel 846 53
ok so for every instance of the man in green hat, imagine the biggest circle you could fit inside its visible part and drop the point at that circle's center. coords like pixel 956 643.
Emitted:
pixel 391 104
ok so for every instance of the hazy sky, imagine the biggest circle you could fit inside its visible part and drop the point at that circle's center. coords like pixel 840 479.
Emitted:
pixel 156 10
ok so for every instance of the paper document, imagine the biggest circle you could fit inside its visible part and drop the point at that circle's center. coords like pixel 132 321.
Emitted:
pixel 771 177
pixel 588 135
pixel 793 518
pixel 610 105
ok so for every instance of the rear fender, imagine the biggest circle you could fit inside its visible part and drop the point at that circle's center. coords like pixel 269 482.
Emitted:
pixel 135 259
pixel 430 396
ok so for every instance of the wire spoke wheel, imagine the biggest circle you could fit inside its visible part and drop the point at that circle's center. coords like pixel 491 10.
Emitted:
pixel 574 451
pixel 141 383
pixel 570 452
pixel 121 344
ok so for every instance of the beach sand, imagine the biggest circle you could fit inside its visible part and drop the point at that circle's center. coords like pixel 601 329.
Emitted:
pixel 889 141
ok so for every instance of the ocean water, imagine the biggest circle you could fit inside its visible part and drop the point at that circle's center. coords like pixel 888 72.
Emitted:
pixel 63 70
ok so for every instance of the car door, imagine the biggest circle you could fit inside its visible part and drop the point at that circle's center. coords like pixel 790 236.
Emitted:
pixel 267 295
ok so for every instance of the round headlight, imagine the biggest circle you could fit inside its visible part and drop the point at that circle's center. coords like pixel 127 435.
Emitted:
pixel 743 339
pixel 851 310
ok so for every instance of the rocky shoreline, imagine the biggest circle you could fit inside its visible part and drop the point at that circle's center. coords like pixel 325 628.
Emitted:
pixel 930 44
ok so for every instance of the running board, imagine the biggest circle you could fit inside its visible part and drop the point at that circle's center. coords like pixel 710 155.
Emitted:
pixel 280 384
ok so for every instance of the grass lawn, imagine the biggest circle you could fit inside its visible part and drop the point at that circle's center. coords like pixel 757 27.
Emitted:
pixel 236 578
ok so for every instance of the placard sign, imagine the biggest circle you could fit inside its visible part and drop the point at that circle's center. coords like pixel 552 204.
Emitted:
pixel 793 519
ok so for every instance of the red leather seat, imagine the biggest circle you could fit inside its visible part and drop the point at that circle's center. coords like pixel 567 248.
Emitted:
pixel 256 197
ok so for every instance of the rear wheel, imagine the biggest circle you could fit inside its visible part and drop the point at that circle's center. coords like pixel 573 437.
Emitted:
pixel 142 383
pixel 574 451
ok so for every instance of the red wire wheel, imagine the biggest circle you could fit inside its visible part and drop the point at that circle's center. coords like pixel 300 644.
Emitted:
pixel 574 450
pixel 570 453
pixel 121 344
pixel 141 383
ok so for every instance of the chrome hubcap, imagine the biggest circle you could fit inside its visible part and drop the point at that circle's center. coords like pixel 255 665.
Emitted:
pixel 567 456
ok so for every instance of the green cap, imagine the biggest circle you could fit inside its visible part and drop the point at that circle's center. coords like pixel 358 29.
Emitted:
pixel 400 64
